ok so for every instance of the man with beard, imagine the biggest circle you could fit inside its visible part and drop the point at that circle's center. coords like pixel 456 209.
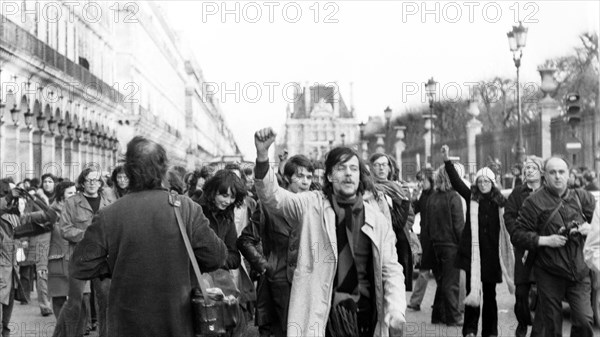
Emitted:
pixel 348 280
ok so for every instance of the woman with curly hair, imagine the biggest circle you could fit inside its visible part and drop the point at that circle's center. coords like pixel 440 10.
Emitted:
pixel 120 181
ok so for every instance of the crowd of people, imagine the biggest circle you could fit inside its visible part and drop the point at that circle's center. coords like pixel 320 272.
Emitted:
pixel 306 248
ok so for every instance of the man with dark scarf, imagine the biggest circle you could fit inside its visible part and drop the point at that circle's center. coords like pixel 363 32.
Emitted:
pixel 348 281
pixel 384 172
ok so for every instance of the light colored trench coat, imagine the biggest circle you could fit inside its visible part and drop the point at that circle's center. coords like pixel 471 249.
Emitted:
pixel 312 287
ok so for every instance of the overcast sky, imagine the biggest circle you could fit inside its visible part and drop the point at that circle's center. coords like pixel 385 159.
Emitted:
pixel 386 48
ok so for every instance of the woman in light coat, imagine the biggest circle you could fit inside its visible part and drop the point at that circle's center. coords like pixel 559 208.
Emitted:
pixel 57 263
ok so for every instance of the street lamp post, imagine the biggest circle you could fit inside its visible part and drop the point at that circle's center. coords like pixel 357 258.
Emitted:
pixel 516 41
pixel 363 143
pixel 429 118
pixel 2 105
pixel 387 114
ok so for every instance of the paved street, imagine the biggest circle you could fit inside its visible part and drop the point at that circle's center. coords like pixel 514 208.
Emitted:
pixel 28 322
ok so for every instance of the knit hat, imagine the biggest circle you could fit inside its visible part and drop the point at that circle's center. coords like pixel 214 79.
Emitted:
pixel 539 162
pixel 486 172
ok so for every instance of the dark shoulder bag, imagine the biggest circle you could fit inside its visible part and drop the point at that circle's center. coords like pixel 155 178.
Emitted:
pixel 529 256
pixel 212 315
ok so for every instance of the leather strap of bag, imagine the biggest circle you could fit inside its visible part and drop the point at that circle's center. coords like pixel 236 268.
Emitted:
pixel 203 282
pixel 552 214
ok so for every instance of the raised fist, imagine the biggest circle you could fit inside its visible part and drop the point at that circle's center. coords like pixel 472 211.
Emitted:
pixel 445 153
pixel 263 139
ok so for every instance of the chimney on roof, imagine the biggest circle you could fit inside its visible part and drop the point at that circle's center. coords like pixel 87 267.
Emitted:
pixel 336 99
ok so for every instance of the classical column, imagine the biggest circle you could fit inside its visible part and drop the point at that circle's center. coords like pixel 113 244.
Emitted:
pixel 76 163
pixel 380 143
pixel 400 147
pixel 67 160
pixel 25 155
pixel 427 142
pixel 365 150
pixel 48 154
pixel 474 127
pixel 59 154
pixel 10 151
pixel 83 152
pixel 549 107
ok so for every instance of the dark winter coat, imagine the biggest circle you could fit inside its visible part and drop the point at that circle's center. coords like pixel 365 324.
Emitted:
pixel 463 259
pixel 514 203
pixel 420 206
pixel 567 261
pixel 489 240
pixel 223 224
pixel 445 218
pixel 270 244
pixel 137 242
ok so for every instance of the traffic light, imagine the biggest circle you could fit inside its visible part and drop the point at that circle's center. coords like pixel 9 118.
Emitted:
pixel 573 109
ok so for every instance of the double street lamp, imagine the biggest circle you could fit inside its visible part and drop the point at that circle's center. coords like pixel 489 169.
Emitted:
pixel 363 142
pixel 430 88
pixel 516 41
pixel 387 114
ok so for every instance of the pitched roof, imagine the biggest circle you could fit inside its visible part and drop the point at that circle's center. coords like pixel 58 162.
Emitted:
pixel 317 93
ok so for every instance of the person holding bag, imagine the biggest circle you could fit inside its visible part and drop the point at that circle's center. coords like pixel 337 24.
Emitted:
pixel 14 219
pixel 137 242
pixel 222 194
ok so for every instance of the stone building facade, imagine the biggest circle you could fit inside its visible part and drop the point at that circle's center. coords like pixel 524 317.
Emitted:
pixel 79 79
pixel 318 120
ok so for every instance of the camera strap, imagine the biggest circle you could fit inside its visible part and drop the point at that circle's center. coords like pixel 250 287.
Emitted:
pixel 580 208
pixel 202 281
pixel 552 215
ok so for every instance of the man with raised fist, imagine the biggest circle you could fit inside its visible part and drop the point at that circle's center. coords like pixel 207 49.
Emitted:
pixel 348 281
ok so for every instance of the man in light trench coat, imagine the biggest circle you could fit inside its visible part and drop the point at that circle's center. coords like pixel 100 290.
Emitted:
pixel 347 259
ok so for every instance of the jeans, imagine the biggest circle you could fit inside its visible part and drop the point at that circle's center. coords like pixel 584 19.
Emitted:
pixel 72 318
pixel 552 290
pixel 419 289
pixel 445 305
pixel 101 289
